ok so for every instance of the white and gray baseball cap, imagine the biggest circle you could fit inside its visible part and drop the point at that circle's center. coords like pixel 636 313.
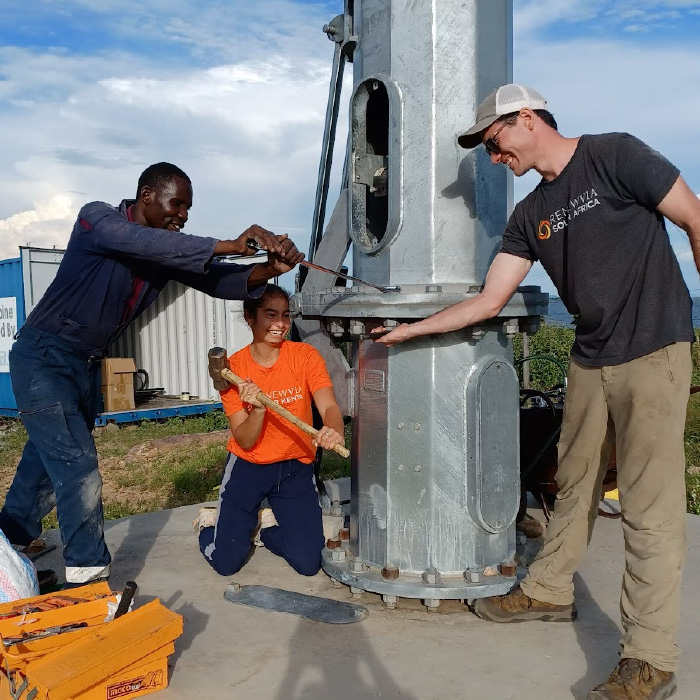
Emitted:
pixel 505 100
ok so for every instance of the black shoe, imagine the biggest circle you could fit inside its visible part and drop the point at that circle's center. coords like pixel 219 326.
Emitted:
pixel 47 579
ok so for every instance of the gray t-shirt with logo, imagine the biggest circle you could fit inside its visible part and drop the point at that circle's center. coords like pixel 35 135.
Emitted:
pixel 597 233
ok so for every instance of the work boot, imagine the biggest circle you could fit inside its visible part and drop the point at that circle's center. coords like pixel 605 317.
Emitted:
pixel 634 679
pixel 531 527
pixel 517 607
pixel 205 518
pixel 34 547
pixel 266 518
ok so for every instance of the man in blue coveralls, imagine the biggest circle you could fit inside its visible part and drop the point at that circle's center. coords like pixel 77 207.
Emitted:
pixel 117 261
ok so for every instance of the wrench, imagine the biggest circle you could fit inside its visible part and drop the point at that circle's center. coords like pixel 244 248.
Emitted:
pixel 393 288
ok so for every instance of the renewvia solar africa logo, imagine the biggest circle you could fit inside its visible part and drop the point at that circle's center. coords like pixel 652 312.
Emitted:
pixel 561 218
pixel 153 679
pixel 544 230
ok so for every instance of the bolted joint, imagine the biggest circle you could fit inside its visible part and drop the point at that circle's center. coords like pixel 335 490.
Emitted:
pixel 431 576
pixel 357 565
pixel 333 543
pixel 432 605
pixel 472 576
pixel 338 554
pixel 357 329
pixel 334 30
pixel 508 569
pixel 336 508
pixel 336 328
pixel 511 327
pixel 390 601
pixel 390 572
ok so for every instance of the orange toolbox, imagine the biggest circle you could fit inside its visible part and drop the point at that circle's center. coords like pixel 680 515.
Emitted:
pixel 58 646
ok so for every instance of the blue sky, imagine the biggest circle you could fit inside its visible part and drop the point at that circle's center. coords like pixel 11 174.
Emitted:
pixel 235 93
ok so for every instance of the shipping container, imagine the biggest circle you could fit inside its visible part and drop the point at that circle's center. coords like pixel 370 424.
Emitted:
pixel 169 341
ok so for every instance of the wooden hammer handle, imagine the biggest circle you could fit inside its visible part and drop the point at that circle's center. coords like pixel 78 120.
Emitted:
pixel 265 400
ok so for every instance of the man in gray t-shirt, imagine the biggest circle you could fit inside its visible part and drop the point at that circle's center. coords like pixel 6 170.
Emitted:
pixel 596 223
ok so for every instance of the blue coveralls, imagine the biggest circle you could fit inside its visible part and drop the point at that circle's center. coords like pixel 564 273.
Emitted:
pixel 290 488
pixel 55 368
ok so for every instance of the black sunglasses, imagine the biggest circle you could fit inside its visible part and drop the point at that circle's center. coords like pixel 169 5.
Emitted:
pixel 491 145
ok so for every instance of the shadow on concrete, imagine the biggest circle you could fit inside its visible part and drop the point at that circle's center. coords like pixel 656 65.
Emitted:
pixel 194 622
pixel 345 667
pixel 129 558
pixel 599 639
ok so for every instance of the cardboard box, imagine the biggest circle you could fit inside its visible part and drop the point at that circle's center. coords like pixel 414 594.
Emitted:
pixel 118 397
pixel 114 370
pixel 118 383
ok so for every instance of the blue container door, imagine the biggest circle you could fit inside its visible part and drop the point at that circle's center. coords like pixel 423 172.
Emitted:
pixel 11 319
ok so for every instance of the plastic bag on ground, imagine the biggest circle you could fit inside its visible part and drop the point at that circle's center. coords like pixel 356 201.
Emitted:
pixel 17 574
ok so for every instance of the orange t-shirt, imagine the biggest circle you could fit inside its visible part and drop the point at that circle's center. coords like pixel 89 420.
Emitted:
pixel 292 381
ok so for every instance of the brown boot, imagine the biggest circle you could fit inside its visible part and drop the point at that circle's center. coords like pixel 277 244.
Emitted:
pixel 633 679
pixel 531 527
pixel 517 607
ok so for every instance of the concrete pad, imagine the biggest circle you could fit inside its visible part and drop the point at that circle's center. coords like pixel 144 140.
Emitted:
pixel 231 651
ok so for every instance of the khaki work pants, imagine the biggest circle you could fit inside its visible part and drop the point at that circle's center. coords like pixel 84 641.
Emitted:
pixel 640 407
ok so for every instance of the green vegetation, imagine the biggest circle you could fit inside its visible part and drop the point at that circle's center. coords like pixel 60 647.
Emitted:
pixel 552 341
pixel 333 466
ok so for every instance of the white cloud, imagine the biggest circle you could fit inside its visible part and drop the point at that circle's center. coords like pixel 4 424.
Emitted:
pixel 47 225
pixel 247 131
pixel 239 100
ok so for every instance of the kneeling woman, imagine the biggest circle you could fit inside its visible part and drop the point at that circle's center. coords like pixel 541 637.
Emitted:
pixel 270 458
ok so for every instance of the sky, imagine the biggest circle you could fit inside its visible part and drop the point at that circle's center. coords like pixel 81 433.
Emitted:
pixel 234 92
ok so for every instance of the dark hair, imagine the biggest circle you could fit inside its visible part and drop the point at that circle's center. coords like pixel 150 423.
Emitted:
pixel 158 175
pixel 546 116
pixel 251 306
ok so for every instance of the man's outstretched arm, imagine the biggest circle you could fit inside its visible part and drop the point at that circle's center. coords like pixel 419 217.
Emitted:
pixel 503 278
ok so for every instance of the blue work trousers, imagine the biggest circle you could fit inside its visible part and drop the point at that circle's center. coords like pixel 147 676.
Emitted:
pixel 291 491
pixel 57 391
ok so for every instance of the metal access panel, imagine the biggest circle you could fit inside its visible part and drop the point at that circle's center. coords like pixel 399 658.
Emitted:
pixel 433 477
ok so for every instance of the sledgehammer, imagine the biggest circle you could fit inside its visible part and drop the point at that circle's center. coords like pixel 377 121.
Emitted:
pixel 223 377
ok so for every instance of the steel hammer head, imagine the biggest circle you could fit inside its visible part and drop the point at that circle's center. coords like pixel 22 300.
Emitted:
pixel 218 361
